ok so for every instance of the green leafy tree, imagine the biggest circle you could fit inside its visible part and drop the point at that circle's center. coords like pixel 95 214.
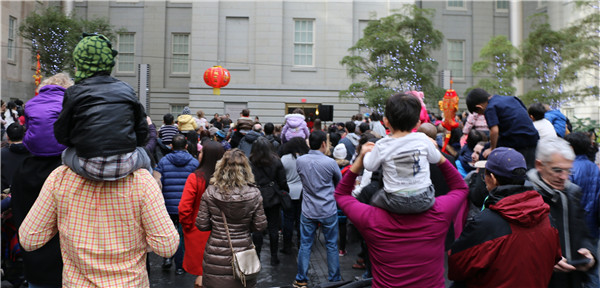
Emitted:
pixel 54 35
pixel 499 59
pixel 557 61
pixel 394 56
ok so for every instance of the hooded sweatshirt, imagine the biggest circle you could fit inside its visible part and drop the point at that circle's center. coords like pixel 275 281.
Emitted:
pixel 509 244
pixel 175 168
pixel 295 126
pixel 247 141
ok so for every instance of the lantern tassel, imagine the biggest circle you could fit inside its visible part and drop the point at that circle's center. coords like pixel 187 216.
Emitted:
pixel 217 91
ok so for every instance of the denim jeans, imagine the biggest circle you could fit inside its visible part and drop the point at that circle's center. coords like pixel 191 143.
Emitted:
pixel 308 229
pixel 291 222
pixel 178 257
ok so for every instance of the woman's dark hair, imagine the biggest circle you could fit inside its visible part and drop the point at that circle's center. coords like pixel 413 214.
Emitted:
pixel 402 111
pixel 10 106
pixel 455 135
pixel 375 116
pixel 580 142
pixel 537 110
pixel 363 127
pixel 475 136
pixel 332 129
pixel 262 154
pixel 192 138
pixel 367 137
pixel 334 138
pixel 213 152
pixel 296 145
pixel 204 136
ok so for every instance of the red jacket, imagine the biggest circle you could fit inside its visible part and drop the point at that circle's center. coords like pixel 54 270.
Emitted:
pixel 511 244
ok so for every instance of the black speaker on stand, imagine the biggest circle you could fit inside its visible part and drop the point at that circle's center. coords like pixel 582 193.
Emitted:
pixel 325 113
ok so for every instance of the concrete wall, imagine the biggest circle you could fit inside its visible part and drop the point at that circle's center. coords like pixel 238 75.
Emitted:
pixel 17 74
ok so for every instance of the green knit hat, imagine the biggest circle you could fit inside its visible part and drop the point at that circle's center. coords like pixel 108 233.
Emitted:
pixel 93 54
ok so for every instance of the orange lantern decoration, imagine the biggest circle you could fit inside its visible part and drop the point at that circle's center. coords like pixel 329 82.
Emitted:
pixel 38 73
pixel 216 77
pixel 449 106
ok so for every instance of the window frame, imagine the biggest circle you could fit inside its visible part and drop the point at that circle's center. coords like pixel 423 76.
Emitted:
pixel 459 8
pixel 177 111
pixel 311 43
pixel 502 10
pixel 11 51
pixel 175 54
pixel 462 42
pixel 121 53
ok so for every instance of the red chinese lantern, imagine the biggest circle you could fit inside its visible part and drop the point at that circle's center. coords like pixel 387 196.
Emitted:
pixel 216 77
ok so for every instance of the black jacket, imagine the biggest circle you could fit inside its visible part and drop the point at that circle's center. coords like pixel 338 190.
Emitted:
pixel 574 230
pixel 43 266
pixel 101 116
pixel 12 156
pixel 267 178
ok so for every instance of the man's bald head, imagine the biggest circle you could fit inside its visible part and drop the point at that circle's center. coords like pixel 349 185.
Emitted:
pixel 428 129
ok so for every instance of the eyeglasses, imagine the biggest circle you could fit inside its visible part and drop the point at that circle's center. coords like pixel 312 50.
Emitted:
pixel 558 170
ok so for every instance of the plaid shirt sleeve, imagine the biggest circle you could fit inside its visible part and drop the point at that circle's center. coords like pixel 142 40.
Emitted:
pixel 40 224
pixel 161 234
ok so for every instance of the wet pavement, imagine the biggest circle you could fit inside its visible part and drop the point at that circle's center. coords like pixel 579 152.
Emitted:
pixel 281 275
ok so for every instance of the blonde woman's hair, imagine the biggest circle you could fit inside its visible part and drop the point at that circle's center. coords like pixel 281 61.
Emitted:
pixel 232 171
pixel 60 79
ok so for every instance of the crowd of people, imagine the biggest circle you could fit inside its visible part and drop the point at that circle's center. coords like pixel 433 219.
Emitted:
pixel 512 200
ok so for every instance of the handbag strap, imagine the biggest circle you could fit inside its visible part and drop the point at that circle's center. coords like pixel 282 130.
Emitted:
pixel 227 230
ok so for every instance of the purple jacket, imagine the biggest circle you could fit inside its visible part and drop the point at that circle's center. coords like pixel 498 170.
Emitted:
pixel 40 114
pixel 295 126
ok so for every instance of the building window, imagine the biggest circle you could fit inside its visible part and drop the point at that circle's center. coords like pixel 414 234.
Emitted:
pixel 303 42
pixel 126 57
pixel 542 3
pixel 237 39
pixel 181 54
pixel 177 109
pixel 456 58
pixel 455 4
pixel 502 5
pixel 12 26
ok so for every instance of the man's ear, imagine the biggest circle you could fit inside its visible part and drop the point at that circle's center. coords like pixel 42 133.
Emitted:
pixel 386 122
pixel 494 180
pixel 538 165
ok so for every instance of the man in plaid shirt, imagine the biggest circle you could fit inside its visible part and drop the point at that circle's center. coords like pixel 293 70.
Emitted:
pixel 105 227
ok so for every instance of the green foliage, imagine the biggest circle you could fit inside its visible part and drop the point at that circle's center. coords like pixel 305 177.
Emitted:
pixel 394 56
pixel 559 60
pixel 498 60
pixel 55 35
pixel 585 124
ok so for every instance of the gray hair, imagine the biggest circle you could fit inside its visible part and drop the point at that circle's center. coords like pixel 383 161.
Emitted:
pixel 547 148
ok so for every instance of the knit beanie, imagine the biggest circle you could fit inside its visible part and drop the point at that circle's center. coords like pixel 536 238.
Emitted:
pixel 339 152
pixel 186 111
pixel 93 54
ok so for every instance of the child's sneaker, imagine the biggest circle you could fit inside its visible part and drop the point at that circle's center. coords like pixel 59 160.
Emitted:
pixel 342 253
pixel 300 284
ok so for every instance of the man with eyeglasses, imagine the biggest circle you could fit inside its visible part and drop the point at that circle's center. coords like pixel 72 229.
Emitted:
pixel 550 177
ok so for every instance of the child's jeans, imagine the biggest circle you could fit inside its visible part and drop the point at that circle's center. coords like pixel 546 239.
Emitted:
pixel 109 168
pixel 405 202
